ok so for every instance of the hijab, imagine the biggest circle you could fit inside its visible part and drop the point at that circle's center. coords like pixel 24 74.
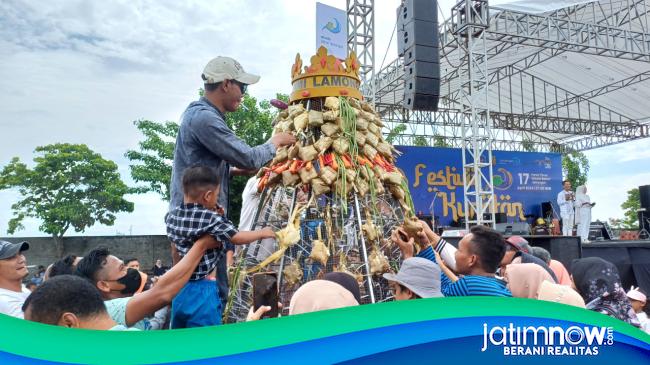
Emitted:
pixel 560 294
pixel 319 295
pixel 345 280
pixel 599 284
pixel 581 195
pixel 524 280
pixel 561 273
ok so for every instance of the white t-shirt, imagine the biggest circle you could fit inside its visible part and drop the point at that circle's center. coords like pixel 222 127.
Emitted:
pixel 645 323
pixel 250 202
pixel 11 302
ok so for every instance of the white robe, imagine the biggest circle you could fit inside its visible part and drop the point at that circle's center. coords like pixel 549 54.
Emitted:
pixel 583 215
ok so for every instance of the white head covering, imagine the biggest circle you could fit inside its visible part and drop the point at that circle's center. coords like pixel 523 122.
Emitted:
pixel 635 294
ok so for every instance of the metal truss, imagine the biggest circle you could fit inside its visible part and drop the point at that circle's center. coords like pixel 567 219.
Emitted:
pixel 549 118
pixel 557 32
pixel 470 19
pixel 361 31
pixel 576 99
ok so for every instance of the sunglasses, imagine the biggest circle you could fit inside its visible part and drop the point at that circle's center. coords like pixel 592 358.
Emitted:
pixel 241 85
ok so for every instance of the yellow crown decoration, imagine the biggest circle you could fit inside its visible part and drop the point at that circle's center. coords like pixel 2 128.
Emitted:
pixel 326 76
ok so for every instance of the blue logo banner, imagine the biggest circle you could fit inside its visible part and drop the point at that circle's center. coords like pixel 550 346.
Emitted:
pixel 522 181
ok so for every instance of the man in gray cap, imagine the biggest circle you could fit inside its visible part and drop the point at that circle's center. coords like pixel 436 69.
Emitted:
pixel 204 138
pixel 417 278
pixel 13 269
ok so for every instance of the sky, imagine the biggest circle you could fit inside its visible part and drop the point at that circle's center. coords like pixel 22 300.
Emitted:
pixel 83 71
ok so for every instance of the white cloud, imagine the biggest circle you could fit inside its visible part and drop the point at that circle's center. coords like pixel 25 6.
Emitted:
pixel 626 152
pixel 610 192
pixel 81 72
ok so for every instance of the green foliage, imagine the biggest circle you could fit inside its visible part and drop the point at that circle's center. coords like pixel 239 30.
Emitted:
pixel 528 145
pixel 154 158
pixel 440 141
pixel 633 202
pixel 393 133
pixel 70 186
pixel 575 167
pixel 420 141
pixel 251 122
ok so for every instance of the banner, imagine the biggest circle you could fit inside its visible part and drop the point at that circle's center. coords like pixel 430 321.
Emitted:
pixel 461 330
pixel 522 181
pixel 332 30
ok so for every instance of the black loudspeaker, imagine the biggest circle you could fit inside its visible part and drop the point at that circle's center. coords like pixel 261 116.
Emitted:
pixel 547 210
pixel 417 31
pixel 598 232
pixel 498 217
pixel 644 216
pixel 509 229
pixel 644 194
pixel 399 27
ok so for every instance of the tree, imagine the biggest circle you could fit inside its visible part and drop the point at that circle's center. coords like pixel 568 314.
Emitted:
pixel 440 141
pixel 575 167
pixel 69 187
pixel 630 206
pixel 251 122
pixel 393 133
pixel 528 145
pixel 420 141
pixel 154 158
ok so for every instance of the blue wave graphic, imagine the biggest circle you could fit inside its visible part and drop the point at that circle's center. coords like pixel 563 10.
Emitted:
pixel 333 27
pixel 456 339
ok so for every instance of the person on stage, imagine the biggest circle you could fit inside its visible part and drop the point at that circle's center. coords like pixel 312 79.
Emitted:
pixel 583 207
pixel 565 199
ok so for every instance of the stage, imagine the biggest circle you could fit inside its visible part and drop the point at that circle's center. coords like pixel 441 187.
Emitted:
pixel 632 258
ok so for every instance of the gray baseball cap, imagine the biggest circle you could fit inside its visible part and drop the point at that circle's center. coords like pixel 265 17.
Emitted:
pixel 226 68
pixel 420 275
pixel 9 250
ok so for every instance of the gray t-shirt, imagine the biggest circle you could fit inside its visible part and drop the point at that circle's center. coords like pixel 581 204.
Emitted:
pixel 205 139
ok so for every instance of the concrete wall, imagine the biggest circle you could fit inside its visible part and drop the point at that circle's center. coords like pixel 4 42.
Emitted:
pixel 145 248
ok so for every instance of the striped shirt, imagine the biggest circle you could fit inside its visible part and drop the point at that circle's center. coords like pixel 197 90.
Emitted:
pixel 468 285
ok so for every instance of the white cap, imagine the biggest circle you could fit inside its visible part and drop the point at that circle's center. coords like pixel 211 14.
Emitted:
pixel 635 294
pixel 226 68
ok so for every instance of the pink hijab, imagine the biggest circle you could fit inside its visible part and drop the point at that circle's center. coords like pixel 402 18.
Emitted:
pixel 561 273
pixel 319 295
pixel 524 280
pixel 560 294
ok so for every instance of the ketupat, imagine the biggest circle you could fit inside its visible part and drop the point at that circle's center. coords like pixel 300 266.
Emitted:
pixel 319 251
pixel 378 262
pixel 292 273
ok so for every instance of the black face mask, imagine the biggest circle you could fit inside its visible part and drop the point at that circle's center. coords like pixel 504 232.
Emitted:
pixel 131 281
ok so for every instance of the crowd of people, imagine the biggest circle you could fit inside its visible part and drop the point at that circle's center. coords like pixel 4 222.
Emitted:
pixel 101 291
